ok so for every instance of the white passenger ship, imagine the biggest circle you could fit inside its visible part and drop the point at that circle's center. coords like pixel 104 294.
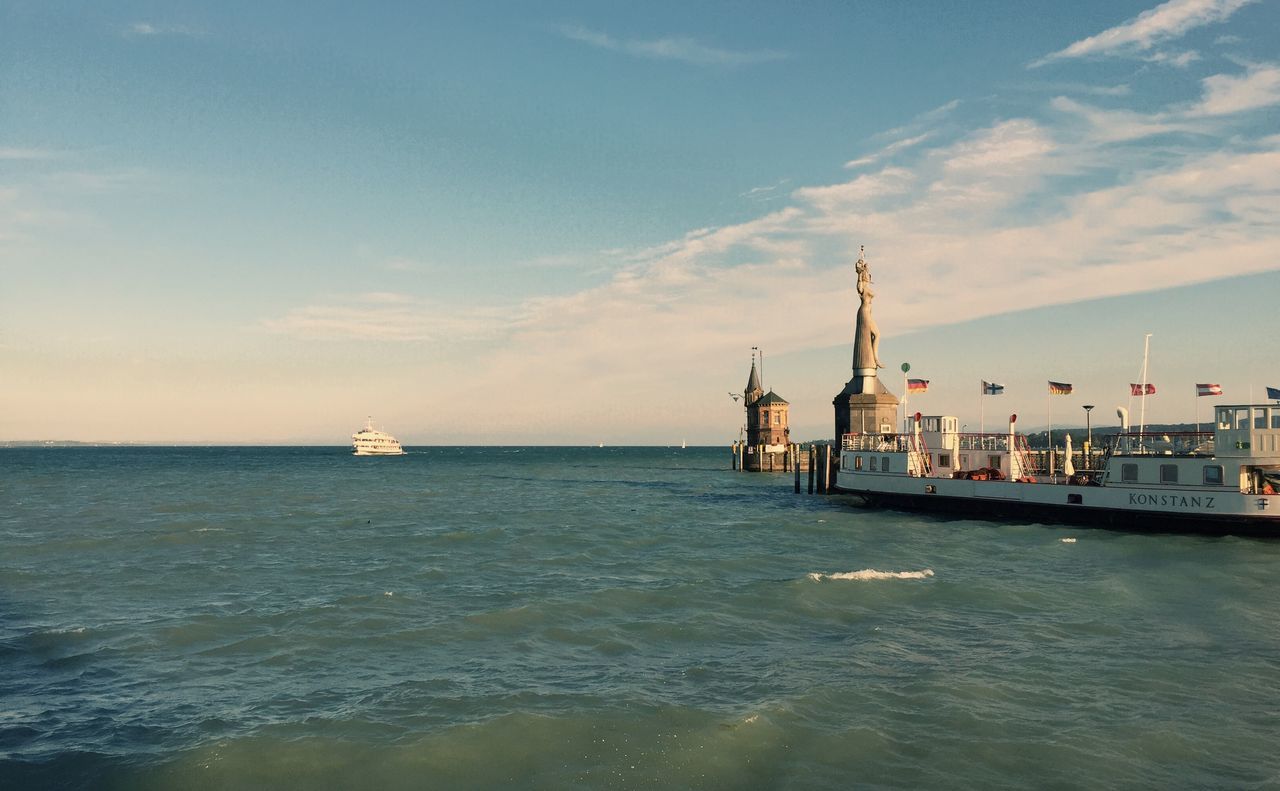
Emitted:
pixel 368 441
pixel 1220 481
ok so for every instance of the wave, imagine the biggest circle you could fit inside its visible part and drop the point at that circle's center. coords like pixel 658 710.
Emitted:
pixel 872 574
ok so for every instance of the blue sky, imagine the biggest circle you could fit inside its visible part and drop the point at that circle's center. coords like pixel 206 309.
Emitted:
pixel 570 222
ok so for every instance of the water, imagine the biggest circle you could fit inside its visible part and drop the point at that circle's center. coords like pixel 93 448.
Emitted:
pixel 463 618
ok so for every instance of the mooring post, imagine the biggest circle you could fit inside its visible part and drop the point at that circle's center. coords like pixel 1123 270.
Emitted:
pixel 813 465
pixel 795 464
pixel 733 449
pixel 826 469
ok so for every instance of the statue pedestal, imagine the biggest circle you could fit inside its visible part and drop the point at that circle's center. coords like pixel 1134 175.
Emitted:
pixel 865 406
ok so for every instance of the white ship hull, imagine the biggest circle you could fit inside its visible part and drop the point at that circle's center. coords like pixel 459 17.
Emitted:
pixel 1183 509
pixel 397 451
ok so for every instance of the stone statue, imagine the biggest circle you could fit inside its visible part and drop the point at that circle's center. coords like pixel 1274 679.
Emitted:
pixel 866 344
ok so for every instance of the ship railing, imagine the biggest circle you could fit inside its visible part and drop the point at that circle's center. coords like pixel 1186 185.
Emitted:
pixel 1161 443
pixel 877 443
pixel 996 442
pixel 918 462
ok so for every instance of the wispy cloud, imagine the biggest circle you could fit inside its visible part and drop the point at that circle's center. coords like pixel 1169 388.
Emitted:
pixel 1222 95
pixel 391 317
pixel 766 193
pixel 28 154
pixel 1155 26
pixel 1179 60
pixel 1074 88
pixel 146 29
pixel 685 49
pixel 888 151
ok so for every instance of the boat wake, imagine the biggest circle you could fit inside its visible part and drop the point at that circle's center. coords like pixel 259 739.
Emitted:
pixel 872 574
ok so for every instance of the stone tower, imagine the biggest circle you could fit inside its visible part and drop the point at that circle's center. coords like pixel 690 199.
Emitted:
pixel 865 405
pixel 768 433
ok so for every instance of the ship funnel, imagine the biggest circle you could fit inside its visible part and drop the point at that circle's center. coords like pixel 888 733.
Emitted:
pixel 1123 414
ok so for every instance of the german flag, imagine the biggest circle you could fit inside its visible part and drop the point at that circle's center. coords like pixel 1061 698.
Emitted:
pixel 1059 388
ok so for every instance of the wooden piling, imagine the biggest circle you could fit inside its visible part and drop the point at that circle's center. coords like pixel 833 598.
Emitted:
pixel 813 465
pixel 794 453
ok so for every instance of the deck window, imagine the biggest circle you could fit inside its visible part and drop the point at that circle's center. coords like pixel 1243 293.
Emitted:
pixel 1242 418
pixel 873 464
pixel 993 462
pixel 1213 475
pixel 857 462
pixel 1275 418
pixel 944 459
pixel 884 464
pixel 1168 473
pixel 1259 417
pixel 1129 473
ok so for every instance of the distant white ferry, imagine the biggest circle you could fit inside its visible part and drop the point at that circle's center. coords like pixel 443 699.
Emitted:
pixel 368 441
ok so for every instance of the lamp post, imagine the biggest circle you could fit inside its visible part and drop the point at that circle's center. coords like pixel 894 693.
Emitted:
pixel 1088 427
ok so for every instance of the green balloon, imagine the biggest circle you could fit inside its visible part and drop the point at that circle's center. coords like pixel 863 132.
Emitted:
pixel 906 367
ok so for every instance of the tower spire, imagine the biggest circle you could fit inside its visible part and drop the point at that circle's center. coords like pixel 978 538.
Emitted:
pixel 754 390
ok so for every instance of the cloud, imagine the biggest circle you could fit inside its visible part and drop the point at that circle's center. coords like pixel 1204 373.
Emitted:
pixel 28 154
pixel 684 49
pixel 766 193
pixel 148 29
pixel 925 120
pixel 1074 87
pixel 391 317
pixel 1154 26
pixel 1179 60
pixel 888 151
pixel 1225 94
pixel 1222 95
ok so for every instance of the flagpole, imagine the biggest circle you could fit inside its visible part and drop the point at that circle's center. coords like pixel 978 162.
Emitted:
pixel 1146 348
pixel 982 392
pixel 1048 415
pixel 905 393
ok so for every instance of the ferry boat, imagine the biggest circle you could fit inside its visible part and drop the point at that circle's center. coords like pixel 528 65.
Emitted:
pixel 1220 481
pixel 368 441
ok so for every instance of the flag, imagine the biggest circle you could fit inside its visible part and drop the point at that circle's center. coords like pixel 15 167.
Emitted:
pixel 1139 390
pixel 917 385
pixel 1208 390
pixel 1273 393
pixel 1059 388
pixel 991 388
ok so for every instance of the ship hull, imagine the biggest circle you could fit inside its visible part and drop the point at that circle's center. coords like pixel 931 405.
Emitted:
pixel 1228 513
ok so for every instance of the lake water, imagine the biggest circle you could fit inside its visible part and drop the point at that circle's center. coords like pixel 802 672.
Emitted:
pixel 475 618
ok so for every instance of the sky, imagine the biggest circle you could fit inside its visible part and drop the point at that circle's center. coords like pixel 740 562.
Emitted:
pixel 569 222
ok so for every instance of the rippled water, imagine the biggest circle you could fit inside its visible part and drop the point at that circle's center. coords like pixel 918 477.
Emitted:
pixel 600 618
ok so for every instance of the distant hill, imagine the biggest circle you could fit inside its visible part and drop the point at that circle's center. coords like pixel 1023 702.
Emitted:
pixel 1040 439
